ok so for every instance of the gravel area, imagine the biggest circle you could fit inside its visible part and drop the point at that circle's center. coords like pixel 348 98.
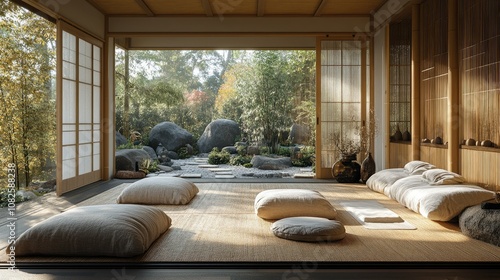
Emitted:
pixel 198 167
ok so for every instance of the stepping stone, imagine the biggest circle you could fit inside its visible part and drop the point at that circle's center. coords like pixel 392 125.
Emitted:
pixel 208 166
pixel 303 175
pixel 305 169
pixel 193 163
pixel 191 175
pixel 219 169
pixel 202 160
pixel 169 175
pixel 224 176
pixel 223 173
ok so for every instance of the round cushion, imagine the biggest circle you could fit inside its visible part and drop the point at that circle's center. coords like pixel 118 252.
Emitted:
pixel 309 229
pixel 481 224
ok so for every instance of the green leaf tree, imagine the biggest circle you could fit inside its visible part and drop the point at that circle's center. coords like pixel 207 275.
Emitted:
pixel 27 115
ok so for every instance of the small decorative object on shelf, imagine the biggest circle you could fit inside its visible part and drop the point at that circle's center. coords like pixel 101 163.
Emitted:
pixel 367 168
pixel 438 141
pixel 346 170
pixel 398 136
pixel 486 143
pixel 470 142
pixel 406 135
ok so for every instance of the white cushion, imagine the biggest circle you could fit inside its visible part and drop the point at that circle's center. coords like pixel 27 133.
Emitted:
pixel 382 180
pixel 310 229
pixel 159 190
pixel 282 203
pixel 417 167
pixel 437 202
pixel 442 177
pixel 443 203
pixel 98 230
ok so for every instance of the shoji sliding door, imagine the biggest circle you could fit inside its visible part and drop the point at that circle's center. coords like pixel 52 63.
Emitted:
pixel 342 99
pixel 79 100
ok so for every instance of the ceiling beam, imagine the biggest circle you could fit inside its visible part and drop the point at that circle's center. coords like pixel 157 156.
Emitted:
pixel 207 8
pixel 261 5
pixel 145 8
pixel 319 9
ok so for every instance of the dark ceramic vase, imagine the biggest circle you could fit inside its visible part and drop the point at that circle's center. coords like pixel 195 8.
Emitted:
pixel 367 168
pixel 346 170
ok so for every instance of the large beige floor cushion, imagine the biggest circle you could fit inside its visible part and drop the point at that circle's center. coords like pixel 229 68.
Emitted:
pixel 159 190
pixel 283 203
pixel 98 230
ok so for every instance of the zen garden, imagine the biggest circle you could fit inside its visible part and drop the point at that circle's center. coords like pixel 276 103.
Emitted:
pixel 175 109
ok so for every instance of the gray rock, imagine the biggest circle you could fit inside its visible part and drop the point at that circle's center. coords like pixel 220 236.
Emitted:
pixel 26 195
pixel 481 224
pixel 170 135
pixel 48 185
pixel 269 163
pixel 253 150
pixel 230 149
pixel 126 158
pixel 176 167
pixel 151 152
pixel 120 139
pixel 165 168
pixel 299 134
pixel 219 133
pixel 172 155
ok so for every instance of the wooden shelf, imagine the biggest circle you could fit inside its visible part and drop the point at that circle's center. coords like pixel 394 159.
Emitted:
pixel 440 146
pixel 481 148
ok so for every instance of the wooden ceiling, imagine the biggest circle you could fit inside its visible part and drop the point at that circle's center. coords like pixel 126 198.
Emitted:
pixel 247 8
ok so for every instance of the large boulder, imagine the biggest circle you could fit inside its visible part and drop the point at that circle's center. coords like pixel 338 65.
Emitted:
pixel 126 158
pixel 151 152
pixel 120 139
pixel 269 163
pixel 299 134
pixel 170 135
pixel 219 133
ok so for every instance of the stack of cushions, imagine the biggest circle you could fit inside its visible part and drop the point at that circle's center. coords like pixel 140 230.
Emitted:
pixel 302 215
pixel 437 194
pixel 159 190
pixel 383 180
pixel 100 230
pixel 442 177
pixel 417 167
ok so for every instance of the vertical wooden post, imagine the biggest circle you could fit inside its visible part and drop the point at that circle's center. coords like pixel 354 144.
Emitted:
pixel 415 82
pixel 453 94
pixel 387 108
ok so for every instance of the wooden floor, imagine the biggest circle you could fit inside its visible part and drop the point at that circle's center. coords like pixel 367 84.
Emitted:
pixel 223 230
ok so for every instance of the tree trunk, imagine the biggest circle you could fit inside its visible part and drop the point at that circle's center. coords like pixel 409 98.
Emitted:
pixel 126 97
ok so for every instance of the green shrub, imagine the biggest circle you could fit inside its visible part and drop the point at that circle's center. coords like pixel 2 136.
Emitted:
pixel 129 145
pixel 265 150
pixel 240 160
pixel 4 198
pixel 183 153
pixel 147 166
pixel 305 157
pixel 241 150
pixel 284 151
pixel 248 165
pixel 218 157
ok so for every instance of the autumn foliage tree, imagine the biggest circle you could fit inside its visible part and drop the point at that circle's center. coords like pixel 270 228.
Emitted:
pixel 27 115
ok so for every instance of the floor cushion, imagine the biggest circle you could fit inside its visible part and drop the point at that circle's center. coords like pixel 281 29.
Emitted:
pixel 309 229
pixel 159 190
pixel 283 203
pixel 98 230
pixel 481 224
